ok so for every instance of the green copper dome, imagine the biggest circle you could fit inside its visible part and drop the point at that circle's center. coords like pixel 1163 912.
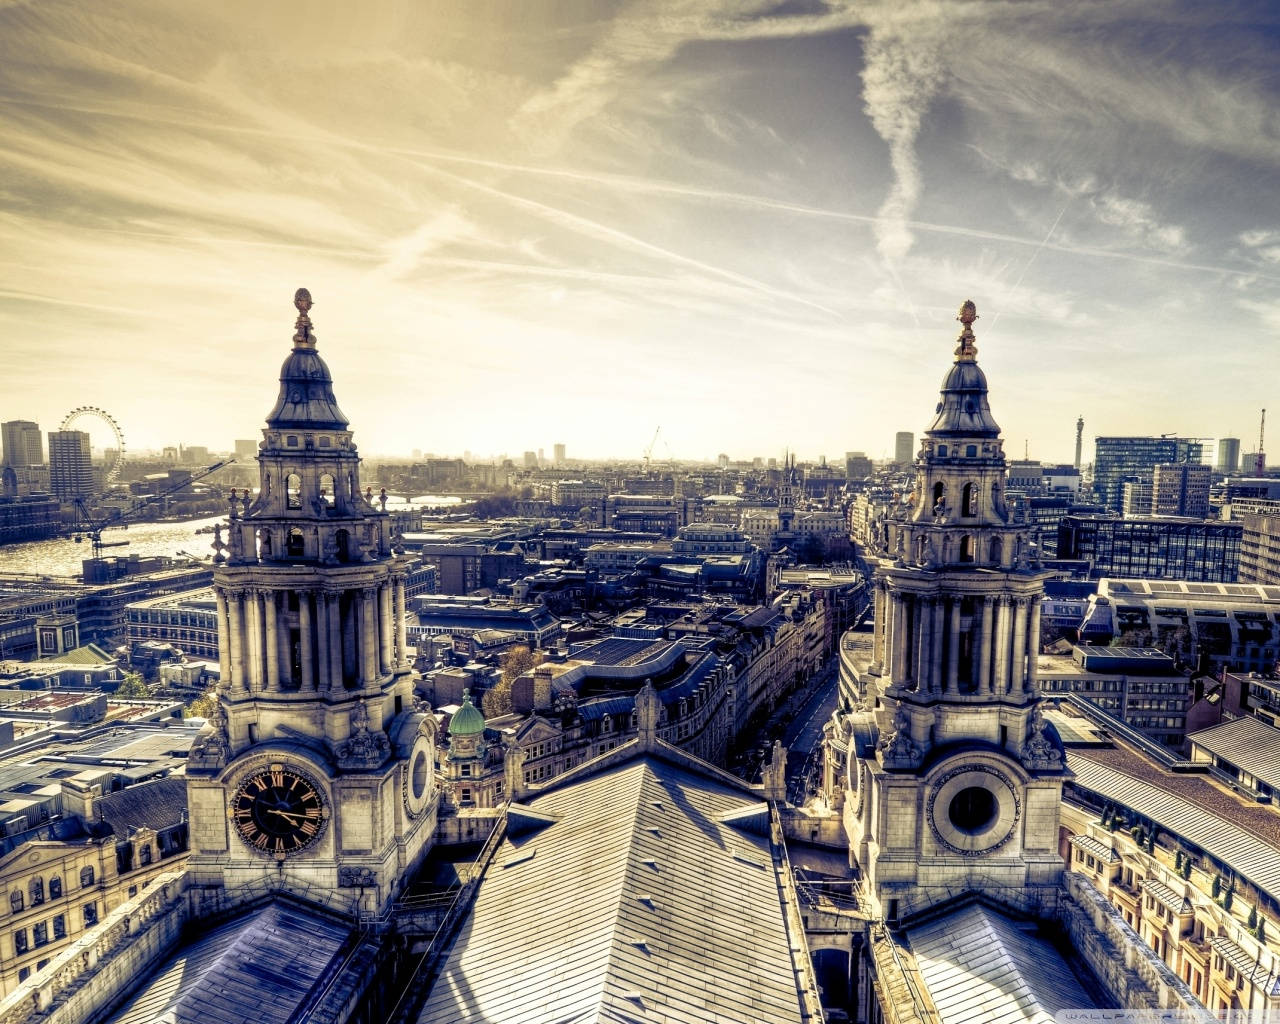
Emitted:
pixel 467 720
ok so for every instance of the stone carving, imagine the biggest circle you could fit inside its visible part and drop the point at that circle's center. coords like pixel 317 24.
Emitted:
pixel 897 744
pixel 219 548
pixel 364 748
pixel 1040 750
pixel 356 878
pixel 212 747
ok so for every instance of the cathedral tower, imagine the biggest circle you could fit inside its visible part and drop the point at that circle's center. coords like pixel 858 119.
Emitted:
pixel 954 778
pixel 316 774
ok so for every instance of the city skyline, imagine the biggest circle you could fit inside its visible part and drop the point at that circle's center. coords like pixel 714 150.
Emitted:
pixel 750 224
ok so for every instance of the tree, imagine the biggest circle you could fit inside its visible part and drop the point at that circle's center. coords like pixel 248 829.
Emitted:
pixel 132 687
pixel 1227 898
pixel 203 706
pixel 514 663
pixel 1186 868
pixel 1217 886
pixel 1253 917
pixel 1177 861
pixel 1262 929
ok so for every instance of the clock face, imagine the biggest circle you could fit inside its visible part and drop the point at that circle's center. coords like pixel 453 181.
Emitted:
pixel 278 811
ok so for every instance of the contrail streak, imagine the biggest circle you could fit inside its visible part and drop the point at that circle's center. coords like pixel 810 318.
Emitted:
pixel 1013 291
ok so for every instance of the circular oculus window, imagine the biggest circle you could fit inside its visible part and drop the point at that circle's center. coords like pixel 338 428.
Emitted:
pixel 973 809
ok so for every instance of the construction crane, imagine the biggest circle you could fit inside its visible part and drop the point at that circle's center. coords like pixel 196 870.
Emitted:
pixel 1260 457
pixel 88 526
pixel 648 452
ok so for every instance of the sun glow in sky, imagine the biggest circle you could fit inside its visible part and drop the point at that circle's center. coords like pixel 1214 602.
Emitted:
pixel 540 222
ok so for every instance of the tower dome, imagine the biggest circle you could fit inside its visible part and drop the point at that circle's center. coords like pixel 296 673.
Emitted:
pixel 306 388
pixel 468 720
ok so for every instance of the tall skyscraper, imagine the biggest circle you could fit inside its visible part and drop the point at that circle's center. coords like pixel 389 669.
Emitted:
pixel 1118 459
pixel 559 453
pixel 904 447
pixel 1229 454
pixel 23 445
pixel 70 465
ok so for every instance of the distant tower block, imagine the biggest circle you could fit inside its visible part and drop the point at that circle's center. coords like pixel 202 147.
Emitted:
pixel 904 447
pixel 1228 454
pixel 1079 439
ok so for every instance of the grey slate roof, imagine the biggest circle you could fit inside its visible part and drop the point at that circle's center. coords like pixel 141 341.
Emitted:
pixel 639 903
pixel 1248 743
pixel 158 805
pixel 982 967
pixel 258 969
pixel 1247 853
pixel 1100 850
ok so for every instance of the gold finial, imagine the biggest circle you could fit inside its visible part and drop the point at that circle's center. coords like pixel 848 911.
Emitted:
pixel 302 336
pixel 966 350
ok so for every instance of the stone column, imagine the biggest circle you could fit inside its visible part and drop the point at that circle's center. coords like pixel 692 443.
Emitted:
pixel 402 637
pixel 953 653
pixel 224 641
pixel 1001 678
pixel 923 641
pixel 984 652
pixel 272 643
pixel 323 682
pixel 253 655
pixel 1019 666
pixel 305 629
pixel 1033 647
pixel 939 627
pixel 898 618
pixel 384 627
pixel 336 682
pixel 284 649
pixel 368 637
pixel 877 631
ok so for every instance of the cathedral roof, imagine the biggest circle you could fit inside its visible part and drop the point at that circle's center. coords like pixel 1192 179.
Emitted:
pixel 963 408
pixel 631 904
pixel 306 399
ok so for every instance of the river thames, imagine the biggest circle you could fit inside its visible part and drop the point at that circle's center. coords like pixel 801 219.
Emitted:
pixel 62 557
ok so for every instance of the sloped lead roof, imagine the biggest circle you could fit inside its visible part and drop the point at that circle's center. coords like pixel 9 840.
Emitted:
pixel 638 903
pixel 981 967
pixel 963 409
pixel 306 399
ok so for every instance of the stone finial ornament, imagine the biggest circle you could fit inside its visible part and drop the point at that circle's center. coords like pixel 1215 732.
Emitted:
pixel 966 350
pixel 302 336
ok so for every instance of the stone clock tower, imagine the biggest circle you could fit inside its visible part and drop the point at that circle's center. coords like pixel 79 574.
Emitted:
pixel 316 775
pixel 953 777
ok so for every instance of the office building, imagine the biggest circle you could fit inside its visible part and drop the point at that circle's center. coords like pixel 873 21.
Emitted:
pixel 1153 548
pixel 1131 458
pixel 856 466
pixel 1228 454
pixel 1181 489
pixel 1259 520
pixel 559 455
pixel 246 448
pixel 23 445
pixel 70 465
pixel 904 447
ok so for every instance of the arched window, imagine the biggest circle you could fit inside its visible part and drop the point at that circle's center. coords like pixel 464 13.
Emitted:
pixel 55 887
pixel 969 502
pixel 86 877
pixel 296 545
pixel 971 452
pixel 264 543
pixel 939 498
pixel 37 891
pixel 16 900
pixel 996 550
pixel 942 451
pixel 966 549
pixel 326 489
pixel 343 539
pixel 293 491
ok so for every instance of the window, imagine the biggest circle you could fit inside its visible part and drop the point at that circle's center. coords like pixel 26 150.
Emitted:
pixel 24 974
pixel 86 877
pixel 144 857
pixel 133 891
pixel 40 933
pixel 37 891
pixel 291 440
pixel 466 769
pixel 60 927
pixel 16 900
pixel 20 941
pixel 466 796
pixel 90 914
pixel 55 887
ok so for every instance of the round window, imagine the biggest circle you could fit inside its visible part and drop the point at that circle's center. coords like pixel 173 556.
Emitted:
pixel 419 772
pixel 972 810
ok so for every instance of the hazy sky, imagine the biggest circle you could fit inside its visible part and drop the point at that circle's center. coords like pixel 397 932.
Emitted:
pixel 750 223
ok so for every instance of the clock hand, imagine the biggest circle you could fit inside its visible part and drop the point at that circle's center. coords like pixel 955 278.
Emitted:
pixel 284 814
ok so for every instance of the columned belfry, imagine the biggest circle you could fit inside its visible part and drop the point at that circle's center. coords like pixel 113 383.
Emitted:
pixel 959 777
pixel 315 674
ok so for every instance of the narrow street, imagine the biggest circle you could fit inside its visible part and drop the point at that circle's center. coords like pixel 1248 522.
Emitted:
pixel 803 737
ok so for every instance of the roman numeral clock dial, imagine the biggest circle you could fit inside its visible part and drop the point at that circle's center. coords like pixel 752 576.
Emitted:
pixel 278 811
